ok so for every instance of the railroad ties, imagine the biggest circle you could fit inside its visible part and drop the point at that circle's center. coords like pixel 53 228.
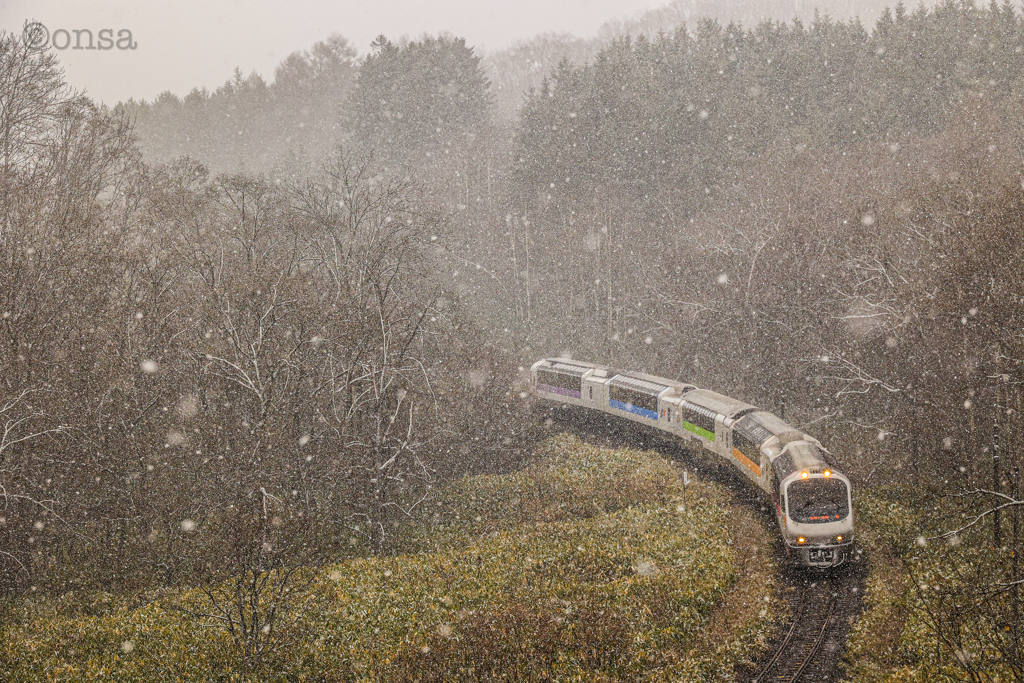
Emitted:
pixel 807 652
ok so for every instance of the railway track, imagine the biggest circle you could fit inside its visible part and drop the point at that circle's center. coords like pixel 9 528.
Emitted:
pixel 809 649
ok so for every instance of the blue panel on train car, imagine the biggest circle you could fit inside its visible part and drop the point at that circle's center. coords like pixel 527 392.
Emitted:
pixel 636 410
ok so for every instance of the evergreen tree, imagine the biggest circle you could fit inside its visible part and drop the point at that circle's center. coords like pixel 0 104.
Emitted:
pixel 418 101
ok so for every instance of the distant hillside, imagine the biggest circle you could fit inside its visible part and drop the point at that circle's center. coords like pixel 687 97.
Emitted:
pixel 516 69
pixel 254 123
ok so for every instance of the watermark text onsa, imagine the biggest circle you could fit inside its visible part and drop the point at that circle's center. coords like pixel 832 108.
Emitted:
pixel 38 36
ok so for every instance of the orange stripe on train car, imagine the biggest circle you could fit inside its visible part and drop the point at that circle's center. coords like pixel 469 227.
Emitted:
pixel 756 469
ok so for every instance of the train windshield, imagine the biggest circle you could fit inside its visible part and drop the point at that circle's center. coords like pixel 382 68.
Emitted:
pixel 812 501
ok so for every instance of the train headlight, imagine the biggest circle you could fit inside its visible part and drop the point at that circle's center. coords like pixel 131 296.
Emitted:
pixel 828 473
pixel 803 475
pixel 801 540
pixel 839 538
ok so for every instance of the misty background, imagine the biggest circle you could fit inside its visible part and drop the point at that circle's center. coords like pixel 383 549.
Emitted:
pixel 286 307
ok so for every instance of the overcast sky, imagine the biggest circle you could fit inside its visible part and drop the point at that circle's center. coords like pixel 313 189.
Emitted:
pixel 188 43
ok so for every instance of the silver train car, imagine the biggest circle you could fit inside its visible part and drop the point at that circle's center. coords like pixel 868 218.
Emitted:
pixel 811 499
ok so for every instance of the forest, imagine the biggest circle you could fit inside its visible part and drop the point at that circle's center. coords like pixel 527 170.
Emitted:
pixel 257 329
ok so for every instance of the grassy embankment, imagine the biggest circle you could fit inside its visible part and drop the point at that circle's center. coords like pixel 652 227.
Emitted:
pixel 584 566
pixel 916 585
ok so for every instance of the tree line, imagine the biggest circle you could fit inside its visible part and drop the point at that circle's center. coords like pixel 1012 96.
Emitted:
pixel 812 215
pixel 203 374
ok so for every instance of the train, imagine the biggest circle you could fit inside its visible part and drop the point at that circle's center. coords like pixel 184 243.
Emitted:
pixel 811 497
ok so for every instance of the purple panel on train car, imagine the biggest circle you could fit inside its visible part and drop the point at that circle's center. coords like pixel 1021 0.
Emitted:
pixel 574 393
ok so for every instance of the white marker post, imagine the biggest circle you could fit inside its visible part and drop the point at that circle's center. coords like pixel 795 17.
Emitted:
pixel 686 480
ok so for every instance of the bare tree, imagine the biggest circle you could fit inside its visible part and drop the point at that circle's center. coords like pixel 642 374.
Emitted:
pixel 256 603
pixel 66 203
pixel 969 599
pixel 378 402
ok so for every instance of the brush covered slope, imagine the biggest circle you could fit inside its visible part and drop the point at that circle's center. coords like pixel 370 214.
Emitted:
pixel 939 606
pixel 585 566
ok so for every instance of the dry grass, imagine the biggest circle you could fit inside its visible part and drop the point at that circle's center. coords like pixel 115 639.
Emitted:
pixel 559 587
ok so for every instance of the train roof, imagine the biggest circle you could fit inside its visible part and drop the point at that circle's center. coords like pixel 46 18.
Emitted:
pixel 578 367
pixel 805 456
pixel 680 387
pixel 772 422
pixel 723 405
pixel 644 386
pixel 565 364
pixel 650 384
pixel 802 456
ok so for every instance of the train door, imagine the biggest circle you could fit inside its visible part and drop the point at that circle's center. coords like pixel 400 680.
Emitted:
pixel 595 393
pixel 780 513
pixel 723 437
pixel 672 416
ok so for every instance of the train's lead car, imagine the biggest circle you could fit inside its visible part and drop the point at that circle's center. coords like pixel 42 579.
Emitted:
pixel 811 498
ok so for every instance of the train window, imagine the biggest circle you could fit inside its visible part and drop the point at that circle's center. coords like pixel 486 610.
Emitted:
pixel 819 500
pixel 699 416
pixel 783 466
pixel 745 446
pixel 559 383
pixel 753 430
pixel 634 398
